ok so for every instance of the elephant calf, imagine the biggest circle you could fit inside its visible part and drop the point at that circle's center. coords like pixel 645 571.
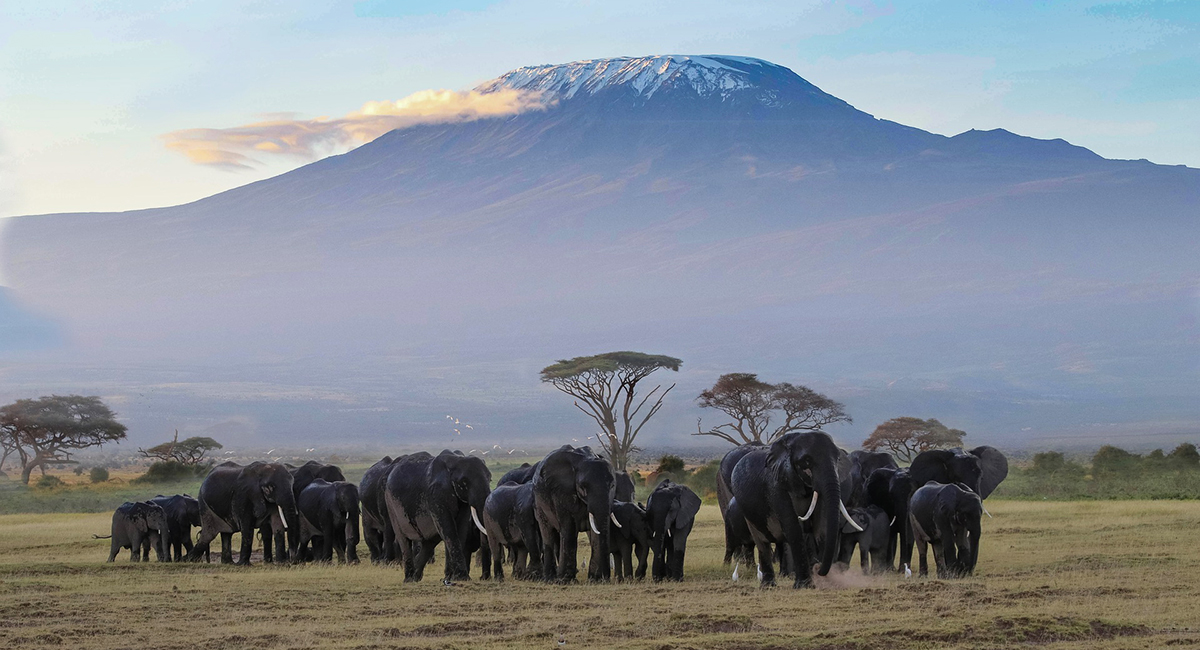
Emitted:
pixel 329 514
pixel 872 540
pixel 135 524
pixel 947 516
pixel 671 509
pixel 510 522
pixel 182 512
pixel 629 536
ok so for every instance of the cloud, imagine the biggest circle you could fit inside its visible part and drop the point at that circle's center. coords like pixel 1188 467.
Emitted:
pixel 239 147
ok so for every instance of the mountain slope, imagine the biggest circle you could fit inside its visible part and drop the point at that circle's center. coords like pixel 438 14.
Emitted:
pixel 719 209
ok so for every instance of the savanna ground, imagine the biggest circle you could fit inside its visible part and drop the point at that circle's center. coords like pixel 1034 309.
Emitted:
pixel 1123 574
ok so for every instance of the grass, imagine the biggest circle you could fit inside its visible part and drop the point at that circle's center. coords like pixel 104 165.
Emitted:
pixel 1057 575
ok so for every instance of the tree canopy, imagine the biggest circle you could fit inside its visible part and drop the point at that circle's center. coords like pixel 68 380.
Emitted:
pixel 605 388
pixel 906 437
pixel 47 429
pixel 190 451
pixel 752 403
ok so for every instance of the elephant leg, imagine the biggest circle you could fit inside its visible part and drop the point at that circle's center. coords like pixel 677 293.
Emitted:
pixel 675 560
pixel 628 552
pixel 642 551
pixel 766 563
pixel 392 544
pixel 407 558
pixel 226 548
pixel 135 548
pixel 922 547
pixel 548 536
pixel 497 550
pixel 113 549
pixel 423 556
pixel 247 543
pixel 568 548
pixel 906 542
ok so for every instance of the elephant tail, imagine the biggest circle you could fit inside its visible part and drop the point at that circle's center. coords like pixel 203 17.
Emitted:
pixel 101 536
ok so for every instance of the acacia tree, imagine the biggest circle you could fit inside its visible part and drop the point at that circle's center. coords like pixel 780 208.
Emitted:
pixel 190 451
pixel 752 403
pixel 906 437
pixel 47 429
pixel 605 388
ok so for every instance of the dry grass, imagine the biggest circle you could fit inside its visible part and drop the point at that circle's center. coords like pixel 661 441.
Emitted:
pixel 1062 575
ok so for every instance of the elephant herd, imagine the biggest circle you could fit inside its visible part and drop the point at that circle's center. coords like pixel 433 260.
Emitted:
pixel 800 503
pixel 411 504
pixel 803 499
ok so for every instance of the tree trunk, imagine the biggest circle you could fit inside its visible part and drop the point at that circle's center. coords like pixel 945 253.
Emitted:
pixel 35 461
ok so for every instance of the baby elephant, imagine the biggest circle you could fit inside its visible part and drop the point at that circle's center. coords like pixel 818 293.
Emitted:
pixel 329 516
pixel 671 510
pixel 628 537
pixel 872 542
pixel 947 516
pixel 134 524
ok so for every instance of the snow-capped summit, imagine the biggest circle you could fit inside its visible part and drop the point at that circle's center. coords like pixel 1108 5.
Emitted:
pixel 734 79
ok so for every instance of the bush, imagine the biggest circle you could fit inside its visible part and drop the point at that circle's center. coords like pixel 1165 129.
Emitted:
pixel 703 480
pixel 48 482
pixel 78 470
pixel 98 475
pixel 171 471
pixel 669 464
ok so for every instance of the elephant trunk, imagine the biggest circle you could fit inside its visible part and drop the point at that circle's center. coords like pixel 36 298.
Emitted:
pixel 599 509
pixel 826 483
pixel 973 530
pixel 290 516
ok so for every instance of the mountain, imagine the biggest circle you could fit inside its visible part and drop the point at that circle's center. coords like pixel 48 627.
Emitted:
pixel 718 209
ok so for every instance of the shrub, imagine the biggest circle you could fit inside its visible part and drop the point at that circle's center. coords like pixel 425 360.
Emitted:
pixel 669 464
pixel 98 475
pixel 78 470
pixel 48 482
pixel 171 471
pixel 703 480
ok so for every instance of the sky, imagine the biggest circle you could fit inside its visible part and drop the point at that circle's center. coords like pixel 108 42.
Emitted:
pixel 90 92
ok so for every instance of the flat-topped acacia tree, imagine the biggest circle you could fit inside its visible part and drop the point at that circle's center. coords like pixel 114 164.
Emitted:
pixel 47 429
pixel 605 388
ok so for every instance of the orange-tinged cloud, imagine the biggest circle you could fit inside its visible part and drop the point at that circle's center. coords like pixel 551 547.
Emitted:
pixel 234 148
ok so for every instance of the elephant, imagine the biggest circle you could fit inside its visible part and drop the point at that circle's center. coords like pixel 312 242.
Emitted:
pixel 182 512
pixel 890 489
pixel 948 517
pixel 725 494
pixel 518 476
pixel 375 519
pixel 981 469
pixel 671 510
pixel 329 515
pixel 432 499
pixel 237 499
pixel 738 541
pixel 862 464
pixel 872 540
pixel 573 489
pixel 624 488
pixel 301 477
pixel 775 485
pixel 136 524
pixel 509 521
pixel 629 537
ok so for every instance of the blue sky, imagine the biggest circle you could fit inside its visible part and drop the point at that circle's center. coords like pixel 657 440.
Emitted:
pixel 88 89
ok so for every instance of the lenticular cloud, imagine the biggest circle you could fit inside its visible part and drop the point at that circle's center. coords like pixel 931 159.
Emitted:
pixel 237 147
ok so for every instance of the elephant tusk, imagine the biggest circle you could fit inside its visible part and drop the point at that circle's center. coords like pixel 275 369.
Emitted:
pixel 842 507
pixel 892 522
pixel 592 521
pixel 477 524
pixel 812 506
pixel 281 517
pixel 985 510
pixel 614 520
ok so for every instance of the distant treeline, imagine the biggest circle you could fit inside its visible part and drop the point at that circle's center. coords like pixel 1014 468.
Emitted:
pixel 1113 473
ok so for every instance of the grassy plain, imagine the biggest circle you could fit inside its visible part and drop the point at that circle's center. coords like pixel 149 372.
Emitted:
pixel 1059 575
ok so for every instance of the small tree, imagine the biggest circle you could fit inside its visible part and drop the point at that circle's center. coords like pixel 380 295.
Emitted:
pixel 47 429
pixel 1110 460
pixel 1185 456
pixel 669 464
pixel 605 388
pixel 98 475
pixel 187 452
pixel 751 403
pixel 906 437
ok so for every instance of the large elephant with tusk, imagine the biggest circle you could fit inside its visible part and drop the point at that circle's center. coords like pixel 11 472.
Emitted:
pixel 432 499
pixel 790 493
pixel 237 499
pixel 573 491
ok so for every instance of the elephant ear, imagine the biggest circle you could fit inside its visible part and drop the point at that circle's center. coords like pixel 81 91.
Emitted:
pixel 879 488
pixel 779 456
pixel 843 464
pixel 931 465
pixel 689 504
pixel 993 466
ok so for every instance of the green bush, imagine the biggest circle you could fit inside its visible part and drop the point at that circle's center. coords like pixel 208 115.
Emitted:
pixel 48 482
pixel 98 475
pixel 171 471
pixel 669 464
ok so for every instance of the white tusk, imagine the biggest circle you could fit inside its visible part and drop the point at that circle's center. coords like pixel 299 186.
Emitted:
pixel 592 521
pixel 985 510
pixel 281 517
pixel 812 506
pixel 845 514
pixel 892 522
pixel 614 520
pixel 478 525
pixel 735 569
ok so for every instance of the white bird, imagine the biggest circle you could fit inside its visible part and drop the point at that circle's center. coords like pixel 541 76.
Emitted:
pixel 270 452
pixel 907 571
pixel 735 570
pixel 590 437
pixel 574 439
pixel 472 451
pixel 468 426
pixel 311 449
pixel 458 432
pixel 759 573
pixel 485 453
pixel 456 420
pixel 510 451
pixel 449 417
pixel 562 640
pixel 496 447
